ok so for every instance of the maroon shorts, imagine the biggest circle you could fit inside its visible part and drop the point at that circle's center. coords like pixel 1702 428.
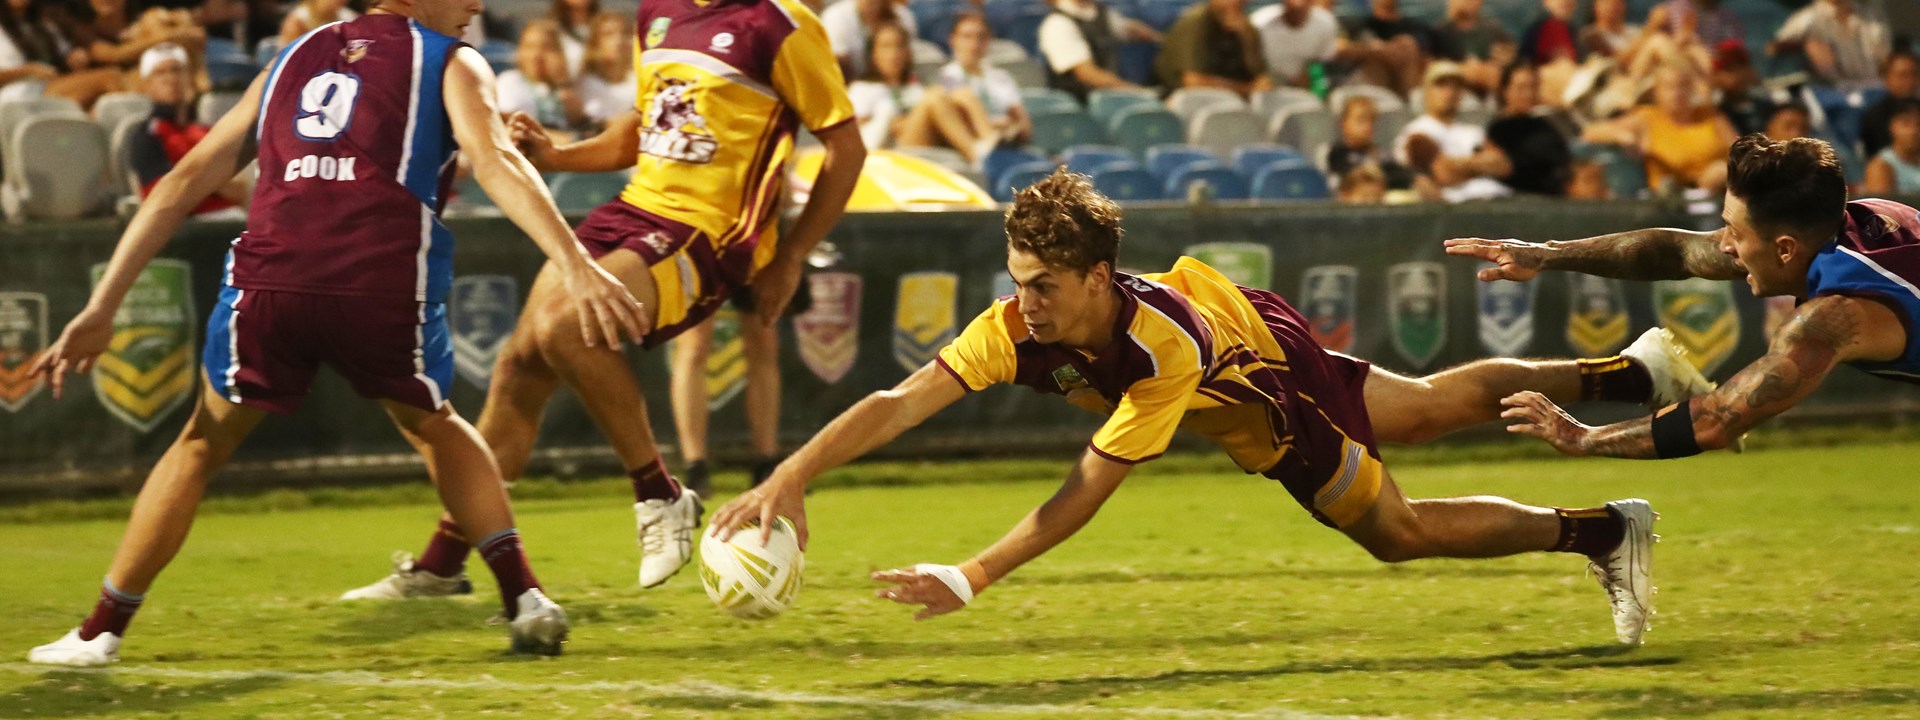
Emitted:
pixel 264 346
pixel 691 277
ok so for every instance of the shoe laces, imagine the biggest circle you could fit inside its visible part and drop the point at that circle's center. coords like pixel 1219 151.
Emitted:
pixel 402 562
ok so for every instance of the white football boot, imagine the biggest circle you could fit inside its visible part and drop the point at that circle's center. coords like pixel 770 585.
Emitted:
pixel 1627 571
pixel 666 535
pixel 1674 376
pixel 408 582
pixel 71 651
pixel 539 625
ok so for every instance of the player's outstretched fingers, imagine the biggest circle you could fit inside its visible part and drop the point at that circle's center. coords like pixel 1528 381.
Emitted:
pixel 588 322
pixel 610 323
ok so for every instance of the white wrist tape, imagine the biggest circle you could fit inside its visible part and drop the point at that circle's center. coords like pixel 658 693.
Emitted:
pixel 955 579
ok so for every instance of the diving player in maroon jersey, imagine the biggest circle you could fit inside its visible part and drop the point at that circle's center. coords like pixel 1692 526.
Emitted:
pixel 345 263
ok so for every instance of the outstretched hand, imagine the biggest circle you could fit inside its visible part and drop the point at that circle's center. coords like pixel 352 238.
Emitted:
pixel 918 585
pixel 772 499
pixel 1530 413
pixel 607 309
pixel 80 344
pixel 1512 259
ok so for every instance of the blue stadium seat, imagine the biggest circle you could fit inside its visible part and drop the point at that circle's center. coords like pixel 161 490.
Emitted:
pixel 1002 158
pixel 586 191
pixel 1290 180
pixel 225 50
pixel 1019 21
pixel 1047 100
pixel 1164 160
pixel 1018 177
pixel 265 51
pixel 1104 104
pixel 1057 131
pixel 230 74
pixel 1160 14
pixel 1249 159
pixel 934 20
pixel 1086 159
pixel 1126 182
pixel 1144 127
pixel 1136 62
pixel 499 54
pixel 1226 184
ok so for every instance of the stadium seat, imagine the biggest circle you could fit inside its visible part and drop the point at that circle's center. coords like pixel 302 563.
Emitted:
pixel 1056 131
pixel 1249 159
pixel 1281 98
pixel 586 191
pixel 223 49
pixel 1478 116
pixel 1145 127
pixel 1018 177
pixel 1160 14
pixel 111 108
pixel 15 112
pixel 499 54
pixel 1026 72
pixel 1021 23
pixel 927 53
pixel 1383 99
pixel 934 19
pixel 1224 183
pixel 1126 182
pixel 53 168
pixel 1388 124
pixel 1302 127
pixel 1001 51
pixel 121 179
pixel 1222 129
pixel 928 72
pixel 944 157
pixel 1086 159
pixel 1002 158
pixel 1290 180
pixel 1105 103
pixel 1164 160
pixel 214 105
pixel 1136 62
pixel 1188 102
pixel 1047 100
pixel 266 50
pixel 231 74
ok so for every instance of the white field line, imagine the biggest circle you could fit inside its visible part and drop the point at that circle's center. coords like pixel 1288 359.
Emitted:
pixel 684 689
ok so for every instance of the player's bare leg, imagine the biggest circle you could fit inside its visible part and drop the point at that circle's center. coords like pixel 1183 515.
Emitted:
pixel 690 413
pixel 762 345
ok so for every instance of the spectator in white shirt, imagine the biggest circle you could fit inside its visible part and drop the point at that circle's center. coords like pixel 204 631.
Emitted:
pixel 1845 43
pixel 1294 35
pixel 1454 154
pixel 852 24
pixel 607 84
pixel 1081 41
pixel 895 110
pixel 987 95
pixel 539 84
pixel 573 17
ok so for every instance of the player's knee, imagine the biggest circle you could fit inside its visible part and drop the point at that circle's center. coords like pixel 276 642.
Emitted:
pixel 556 325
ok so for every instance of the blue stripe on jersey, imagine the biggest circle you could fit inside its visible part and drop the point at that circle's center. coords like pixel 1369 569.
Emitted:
pixel 428 146
pixel 1842 271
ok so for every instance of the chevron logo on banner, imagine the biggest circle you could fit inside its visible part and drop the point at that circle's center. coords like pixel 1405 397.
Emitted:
pixel 23 334
pixel 147 370
pixel 1701 314
pixel 727 360
pixel 482 310
pixel 828 333
pixel 923 321
pixel 1417 310
pixel 1596 315
pixel 1506 316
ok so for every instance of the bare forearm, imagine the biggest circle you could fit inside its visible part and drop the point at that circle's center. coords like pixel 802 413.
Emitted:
pixel 1649 254
pixel 159 217
pixel 874 421
pixel 1047 526
pixel 615 149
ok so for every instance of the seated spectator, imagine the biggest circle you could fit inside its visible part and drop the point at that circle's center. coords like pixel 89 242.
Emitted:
pixel 1480 45
pixel 1213 45
pixel 1080 41
pixel 1541 158
pixel 173 130
pixel 1294 35
pixel 539 84
pixel 894 110
pixel 1901 74
pixel 1709 21
pixel 1610 35
pixel 1789 121
pixel 29 55
pixel 1386 48
pixel 1896 169
pixel 852 24
pixel 574 18
pixel 1589 182
pixel 1683 140
pixel 1550 39
pixel 1454 155
pixel 311 14
pixel 1363 185
pixel 1742 99
pixel 1844 43
pixel 987 95
pixel 607 86
pixel 1355 146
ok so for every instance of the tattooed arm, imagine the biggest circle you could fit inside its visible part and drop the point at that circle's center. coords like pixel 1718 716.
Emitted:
pixel 1822 334
pixel 1650 254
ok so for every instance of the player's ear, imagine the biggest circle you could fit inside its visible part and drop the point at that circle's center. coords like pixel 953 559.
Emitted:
pixel 1100 274
pixel 1787 247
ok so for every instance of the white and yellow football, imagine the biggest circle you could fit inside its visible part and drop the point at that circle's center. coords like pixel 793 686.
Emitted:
pixel 750 580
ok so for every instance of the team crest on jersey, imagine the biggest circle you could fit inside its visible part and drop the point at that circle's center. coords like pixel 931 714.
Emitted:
pixel 1246 264
pixel 726 360
pixel 1701 314
pixel 1779 310
pixel 355 49
pixel 482 310
pixel 657 32
pixel 1596 314
pixel 1331 295
pixel 1417 310
pixel 1506 316
pixel 675 129
pixel 147 370
pixel 23 334
pixel 923 317
pixel 829 331
pixel 1068 378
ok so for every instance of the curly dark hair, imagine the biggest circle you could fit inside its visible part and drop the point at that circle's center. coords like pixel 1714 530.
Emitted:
pixel 1065 223
pixel 1793 185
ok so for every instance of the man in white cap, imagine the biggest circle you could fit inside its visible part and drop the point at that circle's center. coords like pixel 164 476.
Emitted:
pixel 172 130
pixel 1454 154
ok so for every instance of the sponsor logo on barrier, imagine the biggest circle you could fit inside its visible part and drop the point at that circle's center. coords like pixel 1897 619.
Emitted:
pixel 1246 264
pixel 1417 310
pixel 1596 315
pixel 1779 309
pixel 726 360
pixel 1701 314
pixel 923 317
pixel 23 334
pixel 148 367
pixel 1506 316
pixel 482 310
pixel 829 331
pixel 1332 294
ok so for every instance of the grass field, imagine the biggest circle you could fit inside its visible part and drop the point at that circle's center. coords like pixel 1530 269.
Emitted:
pixel 1789 588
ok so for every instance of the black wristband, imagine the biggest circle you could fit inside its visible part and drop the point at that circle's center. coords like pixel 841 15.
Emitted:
pixel 1673 432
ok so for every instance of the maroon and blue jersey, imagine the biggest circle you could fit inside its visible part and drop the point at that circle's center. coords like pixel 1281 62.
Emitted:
pixel 1876 255
pixel 356 156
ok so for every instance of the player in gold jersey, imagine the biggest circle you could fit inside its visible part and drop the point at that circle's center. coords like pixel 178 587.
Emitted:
pixel 1188 348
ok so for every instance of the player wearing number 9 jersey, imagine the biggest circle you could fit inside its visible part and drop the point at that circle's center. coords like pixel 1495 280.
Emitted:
pixel 344 263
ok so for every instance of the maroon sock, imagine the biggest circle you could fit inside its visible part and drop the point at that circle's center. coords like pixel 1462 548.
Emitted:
pixel 651 482
pixel 1590 532
pixel 1615 379
pixel 509 564
pixel 111 614
pixel 446 553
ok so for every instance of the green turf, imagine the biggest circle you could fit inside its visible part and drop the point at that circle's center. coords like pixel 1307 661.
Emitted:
pixel 1789 588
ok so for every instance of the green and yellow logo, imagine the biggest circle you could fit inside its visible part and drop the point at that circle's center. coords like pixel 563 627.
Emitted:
pixel 147 370
pixel 1701 314
pixel 923 317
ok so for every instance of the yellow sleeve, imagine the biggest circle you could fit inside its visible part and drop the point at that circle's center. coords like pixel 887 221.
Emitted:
pixel 983 353
pixel 1142 426
pixel 807 75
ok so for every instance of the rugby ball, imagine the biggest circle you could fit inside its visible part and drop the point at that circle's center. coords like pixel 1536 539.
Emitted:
pixel 748 579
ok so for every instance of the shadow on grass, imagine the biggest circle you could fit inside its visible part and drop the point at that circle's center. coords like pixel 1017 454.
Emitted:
pixel 1376 572
pixel 1670 701
pixel 77 694
pixel 383 623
